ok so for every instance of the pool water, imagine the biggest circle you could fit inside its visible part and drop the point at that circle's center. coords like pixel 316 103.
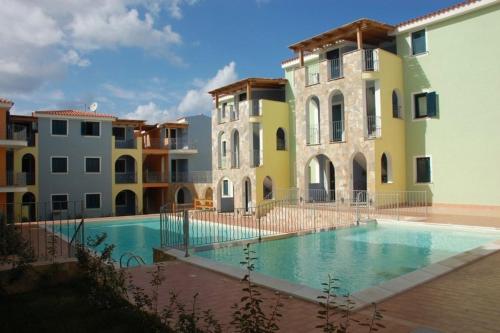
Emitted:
pixel 360 257
pixel 140 236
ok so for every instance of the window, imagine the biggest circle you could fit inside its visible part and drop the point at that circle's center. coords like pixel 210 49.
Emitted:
pixel 92 164
pixel 224 148
pixel 119 133
pixel 59 127
pixel 418 42
pixel 121 199
pixel 59 202
pixel 225 187
pixel 120 166
pixel 425 105
pixel 267 188
pixel 386 169
pixel 396 105
pixel 280 139
pixel 59 164
pixel 423 170
pixel 243 97
pixel 91 128
pixel 92 201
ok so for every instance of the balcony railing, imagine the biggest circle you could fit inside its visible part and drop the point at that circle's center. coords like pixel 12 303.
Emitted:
pixel 154 177
pixel 234 113
pixel 180 144
pixel 337 131
pixel 336 68
pixel 370 60
pixel 223 162
pixel 153 143
pixel 125 177
pixel 192 177
pixel 22 136
pixel 255 108
pixel 373 127
pixel 312 78
pixel 256 158
pixel 312 135
pixel 126 144
pixel 20 178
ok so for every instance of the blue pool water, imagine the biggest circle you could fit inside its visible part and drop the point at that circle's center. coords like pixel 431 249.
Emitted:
pixel 359 257
pixel 140 236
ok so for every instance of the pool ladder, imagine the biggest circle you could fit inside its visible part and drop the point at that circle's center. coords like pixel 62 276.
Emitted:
pixel 131 256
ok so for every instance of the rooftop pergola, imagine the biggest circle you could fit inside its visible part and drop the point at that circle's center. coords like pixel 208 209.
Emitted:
pixel 360 31
pixel 246 84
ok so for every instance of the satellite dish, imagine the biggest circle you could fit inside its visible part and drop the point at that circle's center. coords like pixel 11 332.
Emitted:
pixel 93 107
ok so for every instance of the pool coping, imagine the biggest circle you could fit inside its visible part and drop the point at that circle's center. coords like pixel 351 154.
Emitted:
pixel 359 299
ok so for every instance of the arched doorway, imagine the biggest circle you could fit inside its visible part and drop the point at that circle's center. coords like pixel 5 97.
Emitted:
pixel 280 139
pixel 359 177
pixel 247 194
pixel 29 206
pixel 183 196
pixel 125 203
pixel 28 168
pixel 226 195
pixel 267 188
pixel 337 117
pixel 235 161
pixel 320 179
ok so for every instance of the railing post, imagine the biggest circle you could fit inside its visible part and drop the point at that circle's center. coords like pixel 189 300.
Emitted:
pixel 258 225
pixel 397 206
pixel 185 225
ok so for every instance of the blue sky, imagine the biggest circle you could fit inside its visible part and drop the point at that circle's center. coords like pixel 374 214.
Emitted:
pixel 155 59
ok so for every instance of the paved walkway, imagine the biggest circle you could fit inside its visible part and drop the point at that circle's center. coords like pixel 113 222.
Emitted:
pixel 466 300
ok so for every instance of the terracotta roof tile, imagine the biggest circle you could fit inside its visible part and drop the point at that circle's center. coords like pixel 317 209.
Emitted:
pixel 75 113
pixel 5 101
pixel 438 12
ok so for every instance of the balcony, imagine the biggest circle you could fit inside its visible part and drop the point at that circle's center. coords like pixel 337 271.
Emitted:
pixel 312 135
pixel 336 68
pixel 337 131
pixel 223 162
pixel 370 60
pixel 20 178
pixel 154 177
pixel 181 144
pixel 153 143
pixel 373 128
pixel 256 158
pixel 192 177
pixel 125 177
pixel 126 144
pixel 234 113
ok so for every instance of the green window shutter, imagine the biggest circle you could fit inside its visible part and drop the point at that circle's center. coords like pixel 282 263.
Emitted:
pixel 83 128
pixel 432 104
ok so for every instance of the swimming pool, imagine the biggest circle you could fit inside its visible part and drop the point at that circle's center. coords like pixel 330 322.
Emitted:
pixel 360 257
pixel 140 236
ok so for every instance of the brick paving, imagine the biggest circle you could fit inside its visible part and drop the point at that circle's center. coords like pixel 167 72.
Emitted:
pixel 466 300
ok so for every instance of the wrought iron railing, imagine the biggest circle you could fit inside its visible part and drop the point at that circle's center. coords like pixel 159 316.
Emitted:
pixel 370 60
pixel 175 144
pixel 126 177
pixel 313 135
pixel 126 144
pixel 154 177
pixel 373 128
pixel 336 68
pixel 192 177
pixel 337 131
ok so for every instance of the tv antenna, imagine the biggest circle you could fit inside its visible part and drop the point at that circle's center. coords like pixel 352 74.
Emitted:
pixel 93 107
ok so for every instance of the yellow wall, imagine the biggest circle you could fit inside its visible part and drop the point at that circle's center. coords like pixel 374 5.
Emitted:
pixel 392 141
pixel 137 187
pixel 276 163
pixel 18 156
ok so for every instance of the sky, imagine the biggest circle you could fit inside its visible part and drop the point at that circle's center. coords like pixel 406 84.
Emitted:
pixel 156 59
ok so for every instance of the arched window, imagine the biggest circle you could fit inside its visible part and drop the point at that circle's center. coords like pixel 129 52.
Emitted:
pixel 337 117
pixel 386 170
pixel 312 121
pixel 396 104
pixel 235 161
pixel 222 150
pixel 268 188
pixel 280 139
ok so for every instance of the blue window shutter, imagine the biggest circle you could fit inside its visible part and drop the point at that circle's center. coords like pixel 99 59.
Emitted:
pixel 432 104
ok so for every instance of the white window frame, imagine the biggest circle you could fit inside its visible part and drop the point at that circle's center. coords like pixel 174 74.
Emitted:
pixel 411 46
pixel 59 173
pixel 124 134
pixel 59 135
pixel 229 188
pixel 52 202
pixel 100 200
pixel 92 121
pixel 415 169
pixel 85 165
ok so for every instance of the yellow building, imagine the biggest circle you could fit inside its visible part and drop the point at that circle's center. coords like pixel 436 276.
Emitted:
pixel 250 143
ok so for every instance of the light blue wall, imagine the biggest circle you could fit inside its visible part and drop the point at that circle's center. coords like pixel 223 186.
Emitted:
pixel 75 147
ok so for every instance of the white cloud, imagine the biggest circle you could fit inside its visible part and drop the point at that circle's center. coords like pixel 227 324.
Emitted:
pixel 73 58
pixel 40 38
pixel 195 101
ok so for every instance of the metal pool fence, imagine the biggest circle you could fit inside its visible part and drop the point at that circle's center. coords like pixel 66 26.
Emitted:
pixel 285 212
pixel 50 232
